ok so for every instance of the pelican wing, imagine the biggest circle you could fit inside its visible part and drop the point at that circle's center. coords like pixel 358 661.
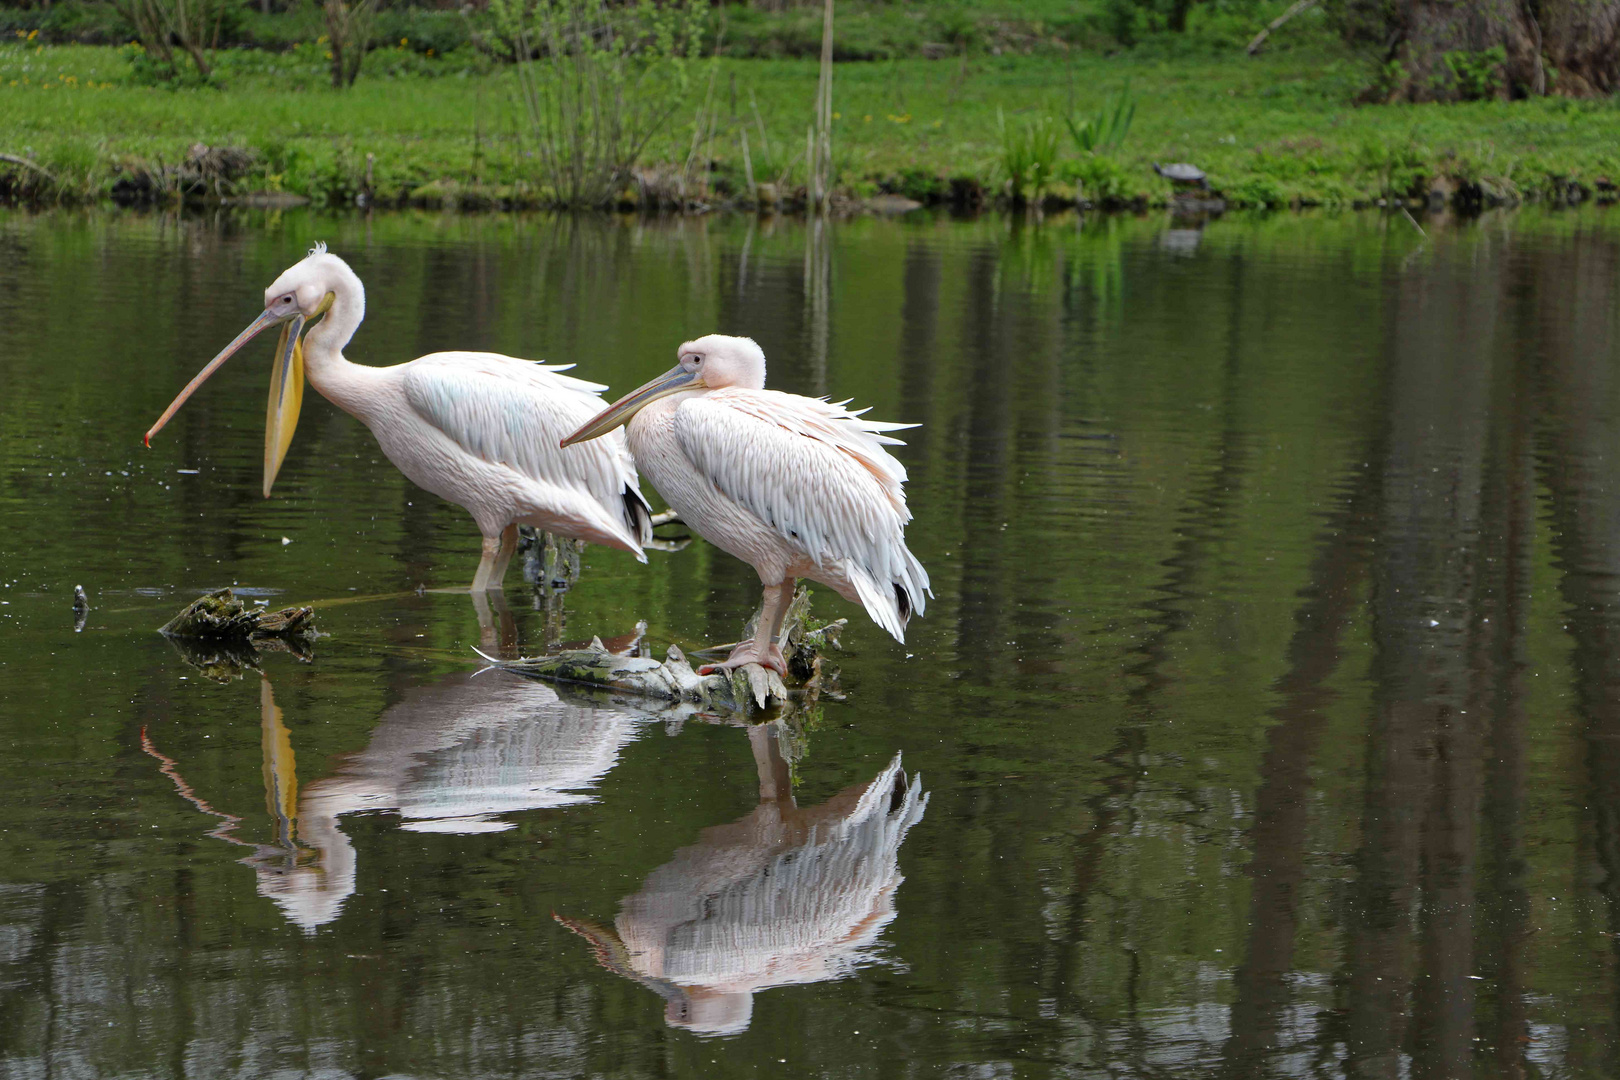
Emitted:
pixel 514 413
pixel 817 474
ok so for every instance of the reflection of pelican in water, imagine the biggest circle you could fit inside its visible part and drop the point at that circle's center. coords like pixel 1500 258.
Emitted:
pixel 786 895
pixel 449 757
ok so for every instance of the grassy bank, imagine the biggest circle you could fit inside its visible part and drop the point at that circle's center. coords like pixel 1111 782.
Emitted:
pixel 1278 130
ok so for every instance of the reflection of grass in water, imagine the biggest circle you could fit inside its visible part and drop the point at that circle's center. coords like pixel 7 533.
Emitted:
pixel 1272 130
pixel 1083 257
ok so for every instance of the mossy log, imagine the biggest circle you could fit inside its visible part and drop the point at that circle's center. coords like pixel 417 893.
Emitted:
pixel 220 615
pixel 221 637
pixel 748 689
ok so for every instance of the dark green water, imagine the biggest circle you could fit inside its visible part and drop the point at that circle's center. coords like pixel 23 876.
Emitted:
pixel 1267 715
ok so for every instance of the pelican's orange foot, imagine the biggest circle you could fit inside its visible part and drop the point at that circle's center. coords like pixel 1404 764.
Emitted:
pixel 748 653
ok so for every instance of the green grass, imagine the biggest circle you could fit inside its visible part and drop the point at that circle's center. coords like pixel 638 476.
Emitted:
pixel 1277 130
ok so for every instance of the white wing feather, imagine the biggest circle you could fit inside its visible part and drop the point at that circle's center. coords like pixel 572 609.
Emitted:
pixel 515 412
pixel 817 474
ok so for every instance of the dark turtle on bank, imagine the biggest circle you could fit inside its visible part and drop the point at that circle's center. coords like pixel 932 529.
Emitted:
pixel 1183 175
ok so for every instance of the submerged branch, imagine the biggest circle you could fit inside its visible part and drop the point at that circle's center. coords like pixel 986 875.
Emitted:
pixel 220 614
pixel 748 689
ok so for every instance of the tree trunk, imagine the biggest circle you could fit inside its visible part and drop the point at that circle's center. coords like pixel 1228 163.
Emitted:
pixel 1583 42
pixel 1451 50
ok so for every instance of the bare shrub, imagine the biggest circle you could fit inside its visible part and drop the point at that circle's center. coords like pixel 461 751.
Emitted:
pixel 595 83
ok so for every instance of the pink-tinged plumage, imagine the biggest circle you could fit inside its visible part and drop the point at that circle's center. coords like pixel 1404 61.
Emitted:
pixel 480 430
pixel 786 896
pixel 796 487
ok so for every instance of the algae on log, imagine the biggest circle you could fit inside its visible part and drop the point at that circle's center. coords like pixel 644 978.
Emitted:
pixel 745 690
pixel 220 636
pixel 221 615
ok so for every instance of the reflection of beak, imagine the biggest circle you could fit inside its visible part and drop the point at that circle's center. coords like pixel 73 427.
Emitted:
pixel 286 398
pixel 671 382
pixel 254 329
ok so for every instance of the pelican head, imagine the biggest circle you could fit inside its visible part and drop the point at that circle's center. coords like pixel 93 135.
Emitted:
pixel 711 362
pixel 303 292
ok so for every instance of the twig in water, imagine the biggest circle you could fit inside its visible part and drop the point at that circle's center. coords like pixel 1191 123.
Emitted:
pixel 748 166
pixel 1414 222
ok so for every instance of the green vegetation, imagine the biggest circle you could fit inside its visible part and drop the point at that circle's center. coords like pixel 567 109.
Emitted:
pixel 440 115
pixel 594 83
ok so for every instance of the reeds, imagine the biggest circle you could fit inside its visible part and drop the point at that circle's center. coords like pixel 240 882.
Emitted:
pixel 1029 157
pixel 1106 129
pixel 818 140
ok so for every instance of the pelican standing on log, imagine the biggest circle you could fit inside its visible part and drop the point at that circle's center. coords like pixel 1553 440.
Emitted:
pixel 477 429
pixel 796 487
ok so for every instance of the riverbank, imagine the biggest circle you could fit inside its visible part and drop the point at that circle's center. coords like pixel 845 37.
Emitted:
pixel 1278 130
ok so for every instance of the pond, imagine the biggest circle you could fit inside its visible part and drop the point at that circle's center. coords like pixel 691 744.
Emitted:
pixel 1265 720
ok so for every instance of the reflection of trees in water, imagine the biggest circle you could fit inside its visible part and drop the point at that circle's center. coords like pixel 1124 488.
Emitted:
pixel 1580 393
pixel 1437 516
pixel 1439 895
pixel 1394 786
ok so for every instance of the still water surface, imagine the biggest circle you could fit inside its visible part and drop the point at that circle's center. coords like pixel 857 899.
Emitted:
pixel 1266 720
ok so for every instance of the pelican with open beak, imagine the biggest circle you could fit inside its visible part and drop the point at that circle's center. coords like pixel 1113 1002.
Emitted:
pixel 286 378
pixel 477 429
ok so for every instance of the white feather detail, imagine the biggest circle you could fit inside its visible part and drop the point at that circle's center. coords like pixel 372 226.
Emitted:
pixel 515 412
pixel 777 899
pixel 318 249
pixel 819 476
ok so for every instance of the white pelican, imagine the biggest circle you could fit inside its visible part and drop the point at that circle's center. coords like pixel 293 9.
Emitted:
pixel 796 487
pixel 476 429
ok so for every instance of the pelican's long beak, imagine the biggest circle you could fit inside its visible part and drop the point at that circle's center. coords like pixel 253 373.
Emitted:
pixel 254 329
pixel 286 398
pixel 670 382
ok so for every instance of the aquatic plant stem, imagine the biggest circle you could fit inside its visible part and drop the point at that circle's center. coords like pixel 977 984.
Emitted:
pixel 820 178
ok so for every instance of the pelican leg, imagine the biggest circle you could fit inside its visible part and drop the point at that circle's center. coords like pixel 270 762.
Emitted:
pixel 486 565
pixel 762 648
pixel 497 627
pixel 503 555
